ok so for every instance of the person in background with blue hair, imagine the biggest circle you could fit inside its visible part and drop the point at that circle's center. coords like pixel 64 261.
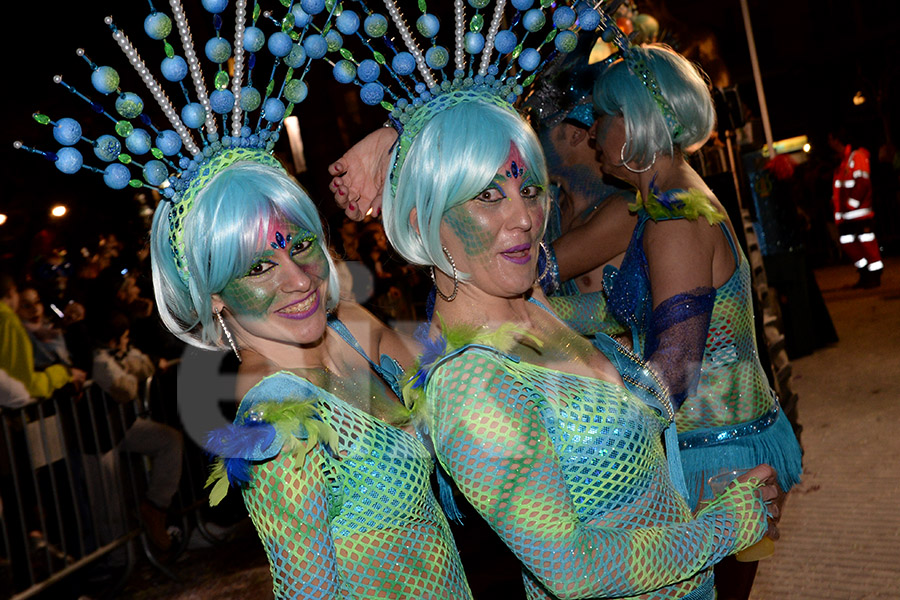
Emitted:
pixel 332 473
pixel 684 285
pixel 518 403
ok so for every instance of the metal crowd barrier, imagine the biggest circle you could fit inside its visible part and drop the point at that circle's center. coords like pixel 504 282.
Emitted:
pixel 69 500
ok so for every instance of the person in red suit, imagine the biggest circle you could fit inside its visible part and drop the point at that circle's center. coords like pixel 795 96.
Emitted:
pixel 853 212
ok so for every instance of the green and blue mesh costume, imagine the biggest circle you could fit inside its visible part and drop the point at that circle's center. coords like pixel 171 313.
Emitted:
pixel 340 499
pixel 571 472
pixel 703 344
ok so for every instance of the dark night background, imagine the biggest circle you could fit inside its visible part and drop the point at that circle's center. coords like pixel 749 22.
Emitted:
pixel 814 56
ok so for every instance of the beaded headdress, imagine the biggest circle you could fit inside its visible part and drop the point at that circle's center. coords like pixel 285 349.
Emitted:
pixel 180 158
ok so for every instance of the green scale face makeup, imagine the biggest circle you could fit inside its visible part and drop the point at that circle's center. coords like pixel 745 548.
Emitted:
pixel 255 294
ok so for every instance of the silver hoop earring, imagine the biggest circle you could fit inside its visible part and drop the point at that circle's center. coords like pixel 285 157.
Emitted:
pixel 455 278
pixel 546 268
pixel 230 339
pixel 625 164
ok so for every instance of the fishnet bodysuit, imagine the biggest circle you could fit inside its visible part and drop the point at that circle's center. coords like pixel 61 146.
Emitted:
pixel 729 402
pixel 570 471
pixel 363 523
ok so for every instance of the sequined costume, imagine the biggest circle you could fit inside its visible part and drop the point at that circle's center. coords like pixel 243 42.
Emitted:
pixel 728 416
pixel 341 500
pixel 571 473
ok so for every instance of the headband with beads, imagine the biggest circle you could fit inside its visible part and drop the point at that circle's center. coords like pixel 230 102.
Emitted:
pixel 636 64
pixel 182 159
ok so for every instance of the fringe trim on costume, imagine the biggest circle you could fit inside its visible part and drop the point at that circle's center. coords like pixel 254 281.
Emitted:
pixel 776 445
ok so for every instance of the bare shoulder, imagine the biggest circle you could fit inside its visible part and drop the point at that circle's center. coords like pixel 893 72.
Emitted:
pixel 375 337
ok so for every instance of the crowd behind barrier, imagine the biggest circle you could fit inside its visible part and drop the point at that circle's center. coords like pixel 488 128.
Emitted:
pixel 70 524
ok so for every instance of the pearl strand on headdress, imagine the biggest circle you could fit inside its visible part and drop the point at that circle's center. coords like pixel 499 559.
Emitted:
pixel 459 9
pixel 240 15
pixel 137 62
pixel 411 45
pixel 491 36
pixel 187 42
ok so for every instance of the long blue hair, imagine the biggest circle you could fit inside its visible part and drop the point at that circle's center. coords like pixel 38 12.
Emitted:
pixel 453 159
pixel 618 91
pixel 222 237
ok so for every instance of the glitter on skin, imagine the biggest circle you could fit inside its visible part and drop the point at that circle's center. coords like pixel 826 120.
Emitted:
pixel 254 294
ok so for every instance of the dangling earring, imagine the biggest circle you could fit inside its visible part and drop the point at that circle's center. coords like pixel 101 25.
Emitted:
pixel 625 164
pixel 546 269
pixel 455 278
pixel 230 339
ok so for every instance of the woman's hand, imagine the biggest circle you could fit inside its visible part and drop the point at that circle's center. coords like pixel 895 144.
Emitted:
pixel 358 176
pixel 772 494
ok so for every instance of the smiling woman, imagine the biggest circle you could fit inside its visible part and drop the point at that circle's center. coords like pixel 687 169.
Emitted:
pixel 246 266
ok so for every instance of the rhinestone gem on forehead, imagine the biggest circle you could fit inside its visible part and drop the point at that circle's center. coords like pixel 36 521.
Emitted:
pixel 281 241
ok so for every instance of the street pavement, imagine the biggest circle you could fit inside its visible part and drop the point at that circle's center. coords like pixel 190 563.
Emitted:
pixel 840 531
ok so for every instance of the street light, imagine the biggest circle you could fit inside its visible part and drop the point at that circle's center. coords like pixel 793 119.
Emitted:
pixel 2 218
pixel 292 125
pixel 58 211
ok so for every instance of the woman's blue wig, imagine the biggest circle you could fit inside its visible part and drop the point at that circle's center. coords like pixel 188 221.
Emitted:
pixel 222 238
pixel 452 160
pixel 618 91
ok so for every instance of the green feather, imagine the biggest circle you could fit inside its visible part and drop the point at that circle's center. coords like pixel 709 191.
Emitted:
pixel 695 204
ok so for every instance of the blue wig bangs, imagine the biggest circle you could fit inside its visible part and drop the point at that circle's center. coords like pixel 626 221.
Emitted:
pixel 453 159
pixel 223 235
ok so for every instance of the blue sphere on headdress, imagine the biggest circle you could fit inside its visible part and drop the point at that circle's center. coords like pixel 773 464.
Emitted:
pixel 566 41
pixel 296 57
pixel 563 17
pixel 588 19
pixel 375 25
pixel 129 105
pixel 138 141
pixel 174 69
pixel 301 17
pixel 371 93
pixel 403 63
pixel 474 42
pixel 168 142
pixel 534 20
pixel 158 25
pixel 250 99
pixel 479 4
pixel 280 44
pixel 344 71
pixel 529 59
pixel 218 50
pixel 368 71
pixel 505 41
pixel 68 160
pixel 105 80
pixel 522 4
pixel 348 22
pixel 428 25
pixel 67 131
pixel 193 115
pixel 296 91
pixel 313 7
pixel 155 172
pixel 254 39
pixel 221 101
pixel 273 110
pixel 215 6
pixel 437 57
pixel 315 46
pixel 107 148
pixel 116 176
pixel 334 40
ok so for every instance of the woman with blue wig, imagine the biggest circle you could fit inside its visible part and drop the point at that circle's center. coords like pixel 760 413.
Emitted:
pixel 684 286
pixel 557 445
pixel 332 474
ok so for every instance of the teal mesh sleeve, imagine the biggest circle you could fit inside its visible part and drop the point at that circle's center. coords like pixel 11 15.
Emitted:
pixel 589 510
